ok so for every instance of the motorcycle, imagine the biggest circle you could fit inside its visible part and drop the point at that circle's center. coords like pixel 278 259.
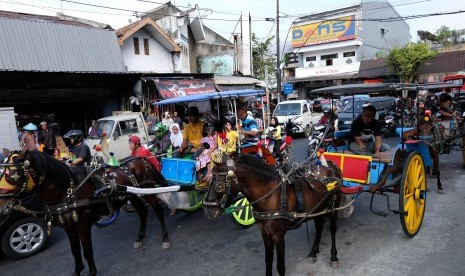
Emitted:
pixel 317 139
pixel 392 122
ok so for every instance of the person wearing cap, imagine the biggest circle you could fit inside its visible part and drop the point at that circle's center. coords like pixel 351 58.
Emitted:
pixel 137 150
pixel 28 140
pixel 47 138
pixel 248 126
pixel 192 133
pixel 365 133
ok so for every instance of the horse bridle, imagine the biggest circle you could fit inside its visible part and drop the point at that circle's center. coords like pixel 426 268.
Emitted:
pixel 224 186
pixel 26 172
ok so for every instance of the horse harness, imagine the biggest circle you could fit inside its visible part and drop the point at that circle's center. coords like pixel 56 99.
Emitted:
pixel 287 178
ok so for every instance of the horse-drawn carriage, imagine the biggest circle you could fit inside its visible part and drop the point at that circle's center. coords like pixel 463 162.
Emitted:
pixel 284 197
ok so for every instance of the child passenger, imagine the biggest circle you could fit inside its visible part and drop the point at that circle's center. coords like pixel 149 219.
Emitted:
pixel 209 143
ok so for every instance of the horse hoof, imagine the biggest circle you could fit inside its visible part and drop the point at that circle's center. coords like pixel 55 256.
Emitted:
pixel 312 260
pixel 440 191
pixel 166 245
pixel 335 264
pixel 138 244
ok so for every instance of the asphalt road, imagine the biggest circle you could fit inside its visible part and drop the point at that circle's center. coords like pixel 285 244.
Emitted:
pixel 367 244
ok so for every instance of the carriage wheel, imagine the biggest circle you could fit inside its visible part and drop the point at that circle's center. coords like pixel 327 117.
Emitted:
pixel 195 199
pixel 242 217
pixel 412 198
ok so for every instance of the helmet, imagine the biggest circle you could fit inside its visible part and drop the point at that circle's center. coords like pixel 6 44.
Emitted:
pixel 134 139
pixel 75 134
pixel 160 130
pixel 326 110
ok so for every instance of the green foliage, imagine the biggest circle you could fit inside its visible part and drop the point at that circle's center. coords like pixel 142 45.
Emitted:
pixel 262 57
pixel 443 36
pixel 406 61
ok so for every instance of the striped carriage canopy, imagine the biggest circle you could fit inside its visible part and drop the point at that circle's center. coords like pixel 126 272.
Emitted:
pixel 233 94
pixel 373 88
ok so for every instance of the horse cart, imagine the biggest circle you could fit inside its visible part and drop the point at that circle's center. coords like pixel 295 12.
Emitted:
pixel 183 171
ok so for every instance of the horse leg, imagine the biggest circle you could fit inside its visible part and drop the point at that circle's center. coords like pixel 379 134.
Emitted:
pixel 86 240
pixel 319 223
pixel 153 200
pixel 333 229
pixel 436 171
pixel 73 238
pixel 269 246
pixel 142 212
pixel 280 243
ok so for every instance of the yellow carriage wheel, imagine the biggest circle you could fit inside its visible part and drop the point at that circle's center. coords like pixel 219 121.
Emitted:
pixel 195 199
pixel 242 217
pixel 412 198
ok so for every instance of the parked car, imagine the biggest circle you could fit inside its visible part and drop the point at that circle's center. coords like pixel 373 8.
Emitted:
pixel 118 129
pixel 300 113
pixel 354 108
pixel 22 235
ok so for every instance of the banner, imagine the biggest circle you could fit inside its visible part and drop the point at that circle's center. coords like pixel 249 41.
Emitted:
pixel 171 88
pixel 327 31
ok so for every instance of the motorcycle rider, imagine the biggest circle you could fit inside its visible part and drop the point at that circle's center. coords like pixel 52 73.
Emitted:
pixel 162 139
pixel 80 150
pixel 329 118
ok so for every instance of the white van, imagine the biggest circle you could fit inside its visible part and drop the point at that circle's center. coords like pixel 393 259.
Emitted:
pixel 118 129
pixel 299 112
pixel 9 132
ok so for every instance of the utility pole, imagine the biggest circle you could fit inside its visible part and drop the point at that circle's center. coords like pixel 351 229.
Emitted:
pixel 278 69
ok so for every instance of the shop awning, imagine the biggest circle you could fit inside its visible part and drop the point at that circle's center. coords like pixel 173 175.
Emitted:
pixel 233 94
pixel 172 88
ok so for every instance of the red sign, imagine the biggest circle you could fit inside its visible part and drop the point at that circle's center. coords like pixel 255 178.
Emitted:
pixel 373 81
pixel 171 88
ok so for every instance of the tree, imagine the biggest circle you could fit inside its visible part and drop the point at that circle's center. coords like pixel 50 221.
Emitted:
pixel 406 61
pixel 263 57
pixel 443 36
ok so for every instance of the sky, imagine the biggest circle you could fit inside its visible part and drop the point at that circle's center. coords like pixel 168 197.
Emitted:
pixel 222 15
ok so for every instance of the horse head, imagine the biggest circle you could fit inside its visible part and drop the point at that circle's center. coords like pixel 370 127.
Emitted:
pixel 14 178
pixel 222 190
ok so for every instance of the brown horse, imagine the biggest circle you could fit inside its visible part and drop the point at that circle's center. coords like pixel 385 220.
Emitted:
pixel 282 200
pixel 431 134
pixel 70 199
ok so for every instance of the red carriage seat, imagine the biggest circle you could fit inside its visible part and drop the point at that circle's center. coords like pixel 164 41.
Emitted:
pixel 355 168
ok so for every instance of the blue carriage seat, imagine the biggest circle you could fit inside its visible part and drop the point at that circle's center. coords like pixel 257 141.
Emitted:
pixel 179 171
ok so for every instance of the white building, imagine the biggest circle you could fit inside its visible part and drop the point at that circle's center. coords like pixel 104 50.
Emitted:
pixel 330 46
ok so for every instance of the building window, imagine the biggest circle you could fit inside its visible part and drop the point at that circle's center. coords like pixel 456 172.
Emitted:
pixel 329 59
pixel 146 46
pixel 332 56
pixel 313 58
pixel 349 54
pixel 136 45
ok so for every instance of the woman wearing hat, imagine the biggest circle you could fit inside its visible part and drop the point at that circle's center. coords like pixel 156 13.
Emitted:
pixel 137 150
pixel 28 141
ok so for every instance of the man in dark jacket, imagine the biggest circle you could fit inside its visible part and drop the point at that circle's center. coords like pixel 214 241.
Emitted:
pixel 47 138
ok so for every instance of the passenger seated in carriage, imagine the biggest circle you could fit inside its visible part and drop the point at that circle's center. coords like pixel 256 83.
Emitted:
pixel 209 144
pixel 192 133
pixel 227 140
pixel 445 112
pixel 365 133
pixel 247 125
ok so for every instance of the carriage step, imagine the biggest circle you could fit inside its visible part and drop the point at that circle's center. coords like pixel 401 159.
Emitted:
pixel 380 213
pixel 399 212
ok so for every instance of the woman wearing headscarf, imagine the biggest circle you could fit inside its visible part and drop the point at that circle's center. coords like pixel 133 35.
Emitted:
pixel 176 136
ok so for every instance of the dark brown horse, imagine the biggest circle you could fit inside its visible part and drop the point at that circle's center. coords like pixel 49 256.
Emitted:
pixel 69 196
pixel 432 135
pixel 282 199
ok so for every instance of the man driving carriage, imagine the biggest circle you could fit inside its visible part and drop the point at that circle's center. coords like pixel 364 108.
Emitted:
pixel 365 133
pixel 192 133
